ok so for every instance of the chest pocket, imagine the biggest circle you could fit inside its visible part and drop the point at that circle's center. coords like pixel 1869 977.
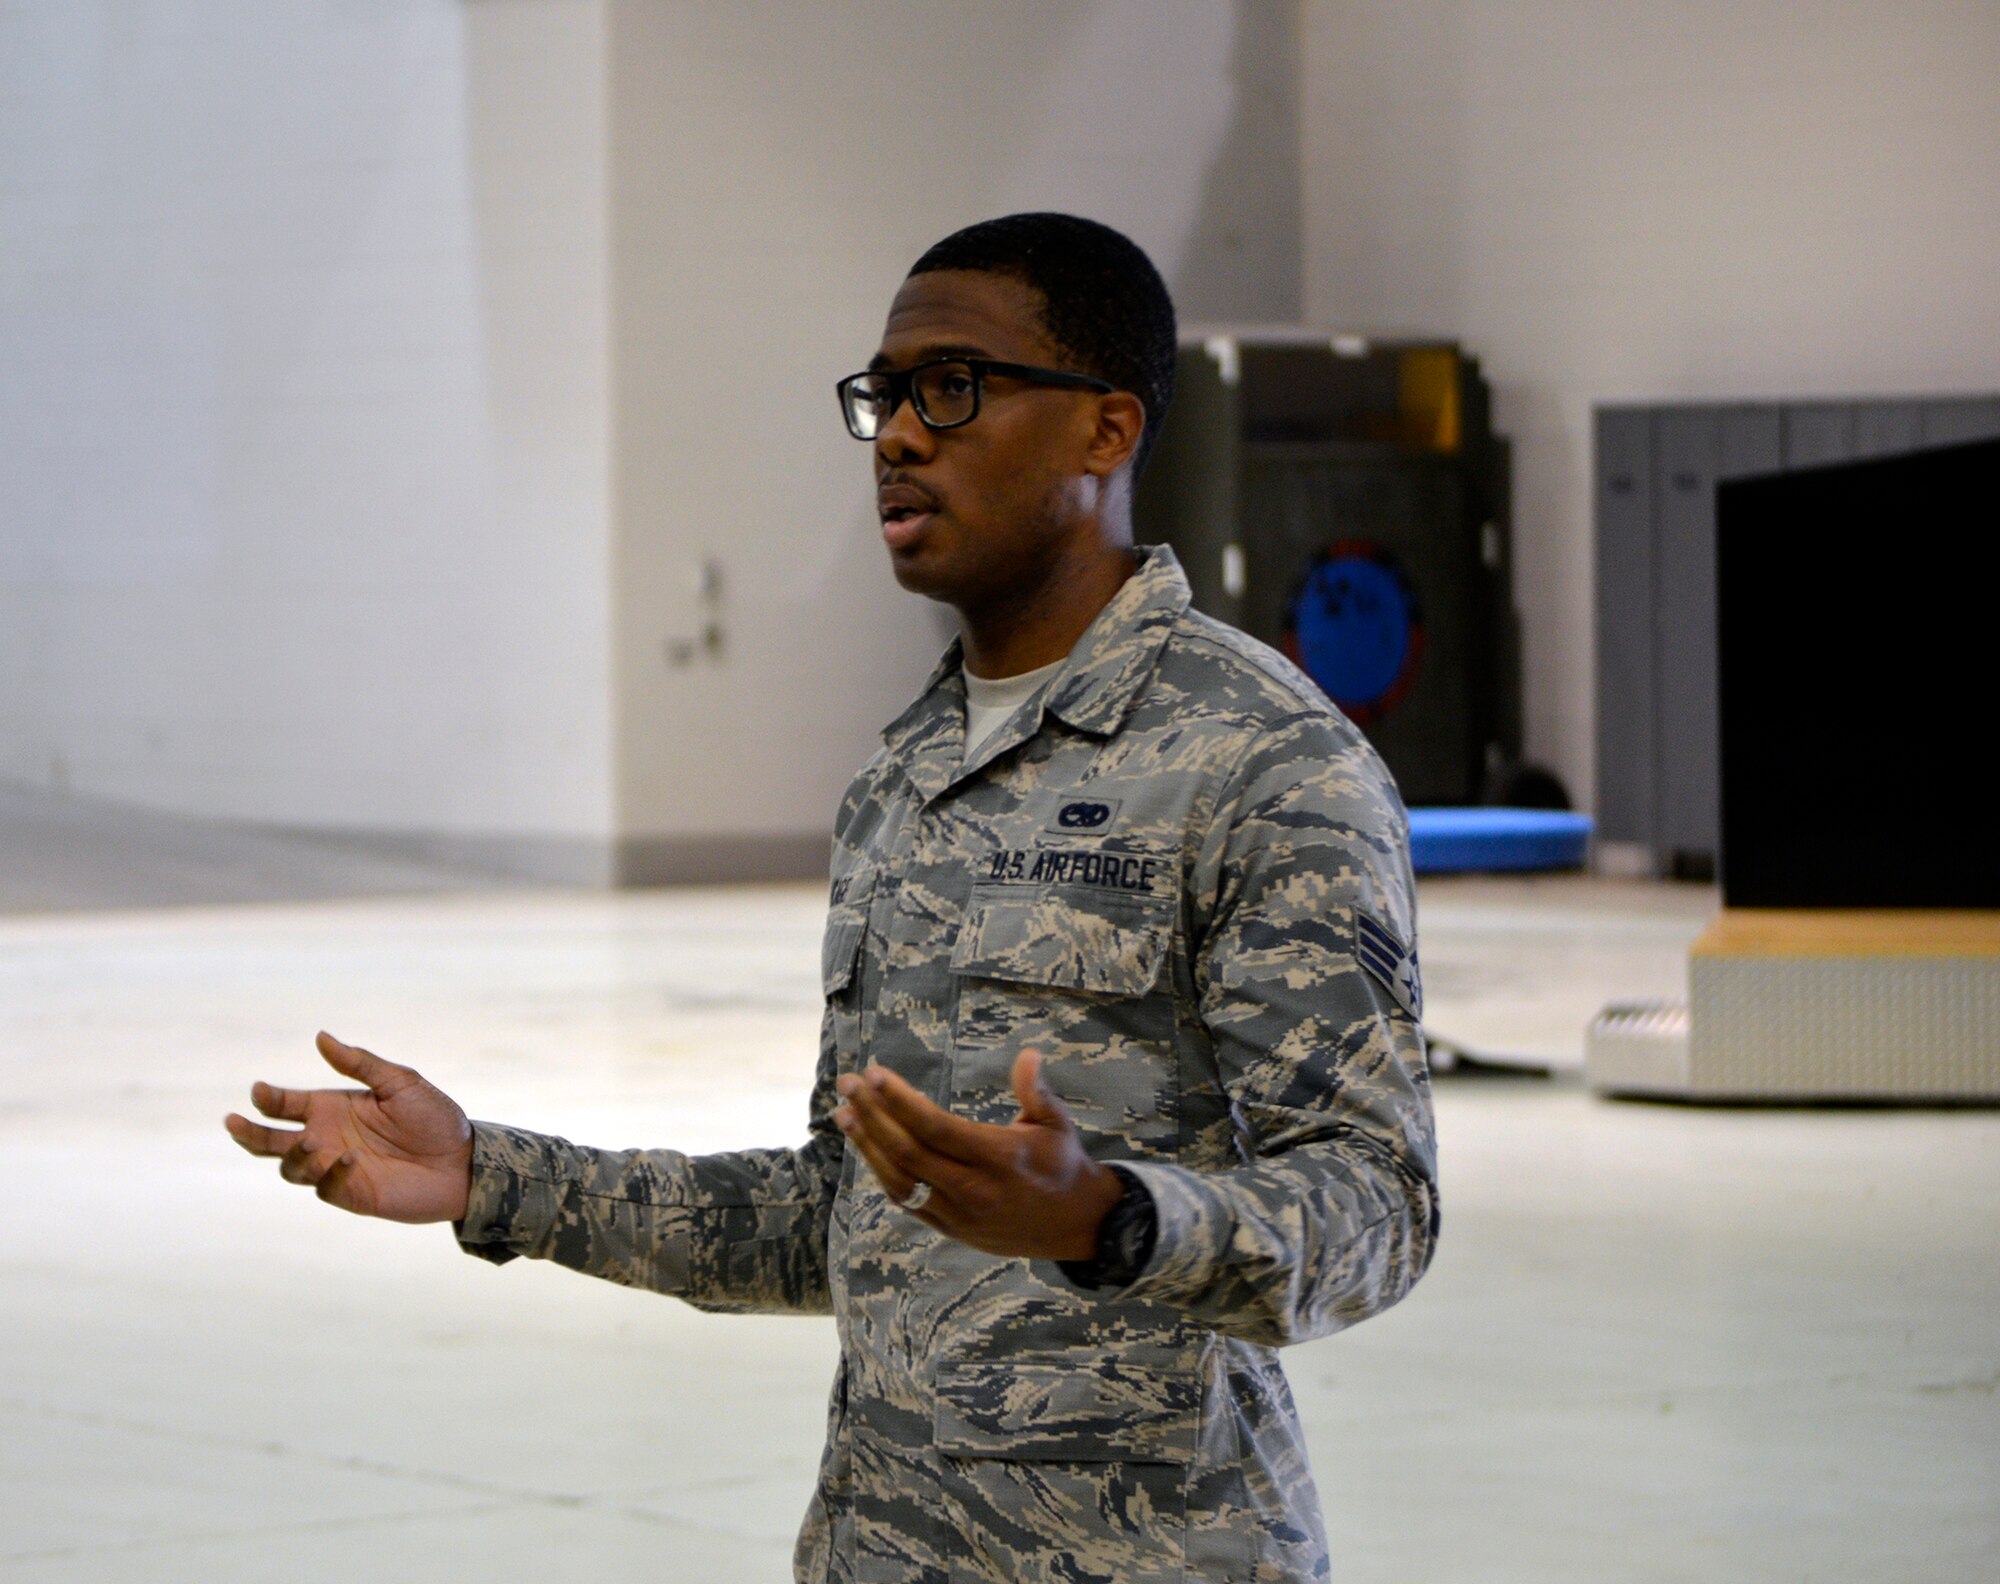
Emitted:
pixel 840 959
pixel 1080 974
pixel 1073 938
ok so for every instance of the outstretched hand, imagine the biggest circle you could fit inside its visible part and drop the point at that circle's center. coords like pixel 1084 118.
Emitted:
pixel 400 1148
pixel 1025 1189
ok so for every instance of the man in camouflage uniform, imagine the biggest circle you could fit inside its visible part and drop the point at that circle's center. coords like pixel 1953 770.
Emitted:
pixel 1120 1084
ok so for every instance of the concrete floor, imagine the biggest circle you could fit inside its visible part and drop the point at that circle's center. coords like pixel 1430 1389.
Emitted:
pixel 1658 1344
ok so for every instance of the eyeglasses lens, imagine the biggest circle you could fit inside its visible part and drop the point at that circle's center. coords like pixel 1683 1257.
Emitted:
pixel 866 399
pixel 946 394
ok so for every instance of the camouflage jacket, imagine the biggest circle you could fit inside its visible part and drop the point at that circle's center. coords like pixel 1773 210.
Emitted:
pixel 1183 876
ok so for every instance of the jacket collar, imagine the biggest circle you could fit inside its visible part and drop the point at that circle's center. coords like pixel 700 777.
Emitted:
pixel 1116 656
pixel 1093 693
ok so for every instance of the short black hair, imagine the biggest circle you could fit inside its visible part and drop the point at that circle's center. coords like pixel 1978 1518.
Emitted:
pixel 1103 303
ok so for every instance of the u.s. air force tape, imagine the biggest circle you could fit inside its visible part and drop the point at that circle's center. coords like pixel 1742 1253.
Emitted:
pixel 1392 963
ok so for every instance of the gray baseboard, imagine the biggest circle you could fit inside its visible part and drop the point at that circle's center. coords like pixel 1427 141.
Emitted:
pixel 715 860
pixel 600 863
pixel 62 851
pixel 540 859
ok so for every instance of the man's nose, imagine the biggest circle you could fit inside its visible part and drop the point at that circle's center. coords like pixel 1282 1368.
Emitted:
pixel 905 438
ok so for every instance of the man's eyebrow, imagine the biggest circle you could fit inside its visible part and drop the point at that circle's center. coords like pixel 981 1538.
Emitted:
pixel 930 354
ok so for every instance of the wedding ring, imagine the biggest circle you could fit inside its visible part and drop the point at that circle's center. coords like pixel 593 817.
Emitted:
pixel 917 1197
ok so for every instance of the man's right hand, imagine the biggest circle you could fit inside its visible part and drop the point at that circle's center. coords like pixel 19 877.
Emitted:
pixel 400 1148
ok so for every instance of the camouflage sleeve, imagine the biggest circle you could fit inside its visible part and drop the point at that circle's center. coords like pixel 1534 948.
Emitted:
pixel 1303 945
pixel 744 1232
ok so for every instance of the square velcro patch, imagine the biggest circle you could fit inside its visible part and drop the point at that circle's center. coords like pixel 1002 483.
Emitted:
pixel 1083 815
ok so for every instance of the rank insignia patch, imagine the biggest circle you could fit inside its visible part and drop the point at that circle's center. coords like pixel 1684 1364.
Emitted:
pixel 1390 961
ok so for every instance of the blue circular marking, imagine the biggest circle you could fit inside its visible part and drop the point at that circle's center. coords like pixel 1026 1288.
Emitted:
pixel 1352 621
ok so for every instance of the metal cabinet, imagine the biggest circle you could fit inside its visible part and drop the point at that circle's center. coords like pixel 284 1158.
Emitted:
pixel 1346 501
pixel 1657 467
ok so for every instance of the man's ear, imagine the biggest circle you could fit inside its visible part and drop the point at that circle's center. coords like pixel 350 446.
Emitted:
pixel 1121 420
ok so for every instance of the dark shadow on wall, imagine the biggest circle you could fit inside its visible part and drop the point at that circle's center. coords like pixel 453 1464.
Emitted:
pixel 1243 261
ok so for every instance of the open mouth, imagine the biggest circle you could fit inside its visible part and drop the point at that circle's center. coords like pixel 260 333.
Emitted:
pixel 905 513
pixel 902 524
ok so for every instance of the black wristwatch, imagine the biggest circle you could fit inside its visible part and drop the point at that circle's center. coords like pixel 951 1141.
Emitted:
pixel 1124 1239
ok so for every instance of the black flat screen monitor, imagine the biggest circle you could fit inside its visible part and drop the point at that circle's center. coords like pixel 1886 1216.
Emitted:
pixel 1859 624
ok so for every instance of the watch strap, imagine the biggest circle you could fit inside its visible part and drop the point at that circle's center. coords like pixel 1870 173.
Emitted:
pixel 1125 1239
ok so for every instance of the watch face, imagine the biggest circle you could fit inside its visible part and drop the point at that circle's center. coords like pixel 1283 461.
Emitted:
pixel 1129 1230
pixel 1130 1237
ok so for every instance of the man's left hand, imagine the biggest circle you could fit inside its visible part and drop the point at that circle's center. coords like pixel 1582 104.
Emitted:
pixel 1025 1189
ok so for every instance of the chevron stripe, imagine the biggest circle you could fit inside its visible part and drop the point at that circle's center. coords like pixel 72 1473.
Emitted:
pixel 1390 961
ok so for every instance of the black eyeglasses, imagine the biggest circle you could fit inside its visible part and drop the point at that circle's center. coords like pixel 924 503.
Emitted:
pixel 945 393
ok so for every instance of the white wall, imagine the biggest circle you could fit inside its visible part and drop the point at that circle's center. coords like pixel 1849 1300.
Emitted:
pixel 1609 201
pixel 304 395
pixel 378 377
pixel 779 165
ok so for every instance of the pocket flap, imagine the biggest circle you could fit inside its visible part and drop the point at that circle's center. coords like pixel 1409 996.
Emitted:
pixel 839 951
pixel 1107 944
pixel 846 924
pixel 1095 1409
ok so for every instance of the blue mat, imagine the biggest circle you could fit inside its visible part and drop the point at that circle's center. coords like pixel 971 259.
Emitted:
pixel 1445 840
